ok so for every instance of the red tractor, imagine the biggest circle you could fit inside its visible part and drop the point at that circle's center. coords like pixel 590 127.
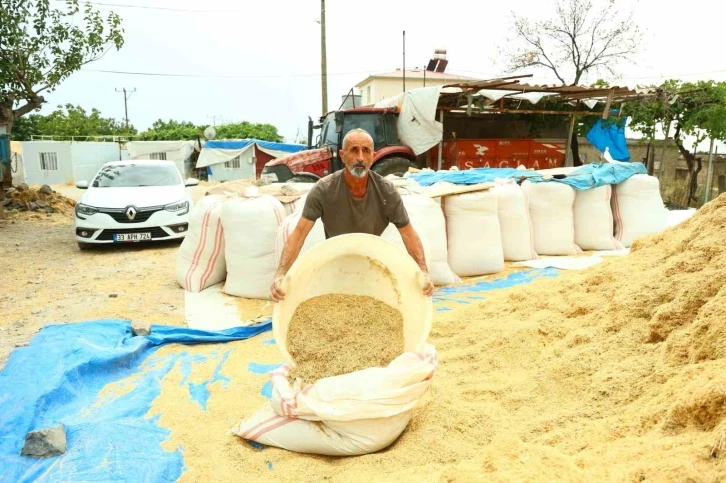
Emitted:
pixel 390 157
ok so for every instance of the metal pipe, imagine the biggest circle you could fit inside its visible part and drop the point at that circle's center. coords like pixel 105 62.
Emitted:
pixel 709 174
pixel 568 149
pixel 404 61
pixel 441 143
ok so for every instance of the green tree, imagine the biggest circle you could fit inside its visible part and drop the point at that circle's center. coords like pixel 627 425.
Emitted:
pixel 42 42
pixel 171 131
pixel 67 121
pixel 247 130
pixel 695 109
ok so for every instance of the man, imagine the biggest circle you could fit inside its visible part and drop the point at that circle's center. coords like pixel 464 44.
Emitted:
pixel 352 200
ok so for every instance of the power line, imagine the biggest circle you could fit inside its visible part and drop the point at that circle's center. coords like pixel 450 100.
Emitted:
pixel 204 76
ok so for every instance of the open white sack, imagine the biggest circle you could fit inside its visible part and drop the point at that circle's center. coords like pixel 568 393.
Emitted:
pixel 474 234
pixel 250 233
pixel 551 209
pixel 514 221
pixel 351 414
pixel 594 219
pixel 200 261
pixel 638 208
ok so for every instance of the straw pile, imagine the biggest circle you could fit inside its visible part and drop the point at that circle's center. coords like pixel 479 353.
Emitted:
pixel 337 334
pixel 616 373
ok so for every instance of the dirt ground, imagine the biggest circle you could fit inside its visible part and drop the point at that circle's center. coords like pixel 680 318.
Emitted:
pixel 46 279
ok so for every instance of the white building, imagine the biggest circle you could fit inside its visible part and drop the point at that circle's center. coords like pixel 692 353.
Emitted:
pixel 65 162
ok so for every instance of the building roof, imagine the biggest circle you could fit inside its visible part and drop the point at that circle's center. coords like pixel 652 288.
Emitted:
pixel 416 74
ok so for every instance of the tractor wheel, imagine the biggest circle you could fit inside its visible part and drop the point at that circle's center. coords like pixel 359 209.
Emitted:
pixel 397 166
pixel 304 178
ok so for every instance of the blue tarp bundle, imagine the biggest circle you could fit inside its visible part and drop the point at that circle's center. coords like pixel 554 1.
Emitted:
pixel 610 135
pixel 594 175
pixel 57 378
pixel 243 143
pixel 469 176
pixel 583 178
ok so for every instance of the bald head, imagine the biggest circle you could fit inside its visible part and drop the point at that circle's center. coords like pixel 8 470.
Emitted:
pixel 357 133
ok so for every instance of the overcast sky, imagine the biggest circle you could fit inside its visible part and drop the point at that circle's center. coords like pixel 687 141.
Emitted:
pixel 261 59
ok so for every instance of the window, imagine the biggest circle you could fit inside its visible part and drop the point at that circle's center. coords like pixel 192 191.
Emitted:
pixel 233 163
pixel 158 156
pixel 131 175
pixel 48 161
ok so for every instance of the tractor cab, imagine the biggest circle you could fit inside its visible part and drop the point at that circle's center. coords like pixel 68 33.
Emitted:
pixel 322 158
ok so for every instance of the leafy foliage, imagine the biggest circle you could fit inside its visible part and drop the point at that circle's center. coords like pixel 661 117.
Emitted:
pixel 174 130
pixel 577 39
pixel 41 45
pixel 66 121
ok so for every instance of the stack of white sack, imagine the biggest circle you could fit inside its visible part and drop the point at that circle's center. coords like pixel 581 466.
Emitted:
pixel 251 225
pixel 200 261
pixel 352 414
pixel 514 221
pixel 594 219
pixel 316 235
pixel 638 208
pixel 474 234
pixel 551 210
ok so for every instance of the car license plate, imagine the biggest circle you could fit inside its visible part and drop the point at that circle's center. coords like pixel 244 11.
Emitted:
pixel 132 237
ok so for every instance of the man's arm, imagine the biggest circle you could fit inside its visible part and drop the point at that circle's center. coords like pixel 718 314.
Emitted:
pixel 414 248
pixel 290 252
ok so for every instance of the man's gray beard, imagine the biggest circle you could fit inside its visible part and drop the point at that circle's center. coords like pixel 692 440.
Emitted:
pixel 357 172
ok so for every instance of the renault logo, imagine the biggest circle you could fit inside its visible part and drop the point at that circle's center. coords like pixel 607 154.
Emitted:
pixel 131 212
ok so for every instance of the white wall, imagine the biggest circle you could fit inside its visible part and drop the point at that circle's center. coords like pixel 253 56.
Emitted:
pixel 246 170
pixel 89 157
pixel 31 160
pixel 16 159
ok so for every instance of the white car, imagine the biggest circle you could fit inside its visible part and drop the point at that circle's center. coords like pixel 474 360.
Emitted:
pixel 133 201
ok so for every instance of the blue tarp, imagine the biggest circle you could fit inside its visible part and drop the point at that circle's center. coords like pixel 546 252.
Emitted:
pixel 243 143
pixel 469 176
pixel 594 175
pixel 57 378
pixel 585 177
pixel 610 135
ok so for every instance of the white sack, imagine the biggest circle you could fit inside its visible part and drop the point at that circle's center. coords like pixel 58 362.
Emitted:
pixel 551 209
pixel 427 218
pixel 638 208
pixel 514 221
pixel 200 261
pixel 358 413
pixel 392 235
pixel 594 219
pixel 316 235
pixel 250 234
pixel 475 239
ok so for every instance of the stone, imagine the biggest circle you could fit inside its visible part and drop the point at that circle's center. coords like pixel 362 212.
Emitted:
pixel 113 295
pixel 6 202
pixel 22 187
pixel 46 190
pixel 140 329
pixel 35 312
pixel 50 210
pixel 45 442
pixel 41 204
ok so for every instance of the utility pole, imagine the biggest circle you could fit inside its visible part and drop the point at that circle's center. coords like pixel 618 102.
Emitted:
pixel 323 58
pixel 127 95
pixel 404 61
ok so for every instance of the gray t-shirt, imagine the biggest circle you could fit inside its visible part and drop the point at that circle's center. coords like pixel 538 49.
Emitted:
pixel 341 213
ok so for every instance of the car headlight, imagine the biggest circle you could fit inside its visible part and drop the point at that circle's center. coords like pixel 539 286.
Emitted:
pixel 179 208
pixel 86 210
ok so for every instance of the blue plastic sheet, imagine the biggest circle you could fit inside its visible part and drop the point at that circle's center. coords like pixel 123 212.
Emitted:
pixel 596 174
pixel 57 378
pixel 469 176
pixel 243 143
pixel 609 135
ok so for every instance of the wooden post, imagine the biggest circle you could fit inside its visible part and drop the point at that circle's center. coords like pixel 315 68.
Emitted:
pixel 709 175
pixel 663 151
pixel 650 158
pixel 441 143
pixel 606 111
pixel 568 149
pixel 323 59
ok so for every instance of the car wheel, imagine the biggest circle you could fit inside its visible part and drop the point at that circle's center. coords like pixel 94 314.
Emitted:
pixel 84 246
pixel 392 165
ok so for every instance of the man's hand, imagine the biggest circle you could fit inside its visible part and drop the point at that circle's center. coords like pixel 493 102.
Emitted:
pixel 276 292
pixel 428 287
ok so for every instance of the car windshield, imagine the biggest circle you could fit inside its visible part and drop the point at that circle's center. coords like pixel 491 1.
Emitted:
pixel 373 123
pixel 136 175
